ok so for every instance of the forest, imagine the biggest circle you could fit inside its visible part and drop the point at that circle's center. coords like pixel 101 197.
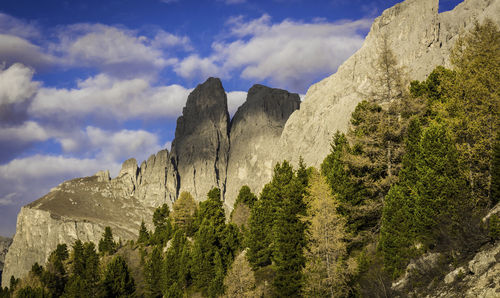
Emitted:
pixel 415 174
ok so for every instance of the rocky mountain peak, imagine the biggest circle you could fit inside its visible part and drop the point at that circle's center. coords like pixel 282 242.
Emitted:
pixel 255 131
pixel 201 143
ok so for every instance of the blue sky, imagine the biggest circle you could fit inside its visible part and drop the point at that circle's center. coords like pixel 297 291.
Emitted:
pixel 85 85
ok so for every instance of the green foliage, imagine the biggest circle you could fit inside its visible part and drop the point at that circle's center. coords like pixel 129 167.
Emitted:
pixel 276 234
pixel 29 292
pixel 428 200
pixel 85 273
pixel 163 226
pixel 143 234
pixel 184 210
pixel 495 173
pixel 117 280
pixel 176 265
pixel 494 227
pixel 54 278
pixel 107 244
pixel 153 273
pixel 246 196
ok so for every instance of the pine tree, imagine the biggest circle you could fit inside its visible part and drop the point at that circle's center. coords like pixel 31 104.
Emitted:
pixel 107 244
pixel 495 173
pixel 143 234
pixel 54 277
pixel 117 279
pixel 263 215
pixel 163 225
pixel 153 273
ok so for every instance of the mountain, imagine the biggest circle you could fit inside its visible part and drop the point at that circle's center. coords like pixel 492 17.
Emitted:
pixel 4 246
pixel 211 150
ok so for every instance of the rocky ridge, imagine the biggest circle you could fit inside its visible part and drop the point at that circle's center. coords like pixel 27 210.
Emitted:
pixel 81 208
pixel 421 39
pixel 209 150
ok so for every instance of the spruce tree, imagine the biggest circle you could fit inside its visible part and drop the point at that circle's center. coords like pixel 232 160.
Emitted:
pixel 117 279
pixel 107 244
pixel 153 273
pixel 163 225
pixel 143 234
pixel 495 173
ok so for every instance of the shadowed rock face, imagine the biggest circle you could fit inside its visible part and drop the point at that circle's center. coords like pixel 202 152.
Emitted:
pixel 4 246
pixel 255 131
pixel 201 145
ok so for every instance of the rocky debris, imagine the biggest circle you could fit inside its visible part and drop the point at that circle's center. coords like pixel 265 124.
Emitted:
pixel 421 40
pixel 201 145
pixel 425 263
pixel 255 131
pixel 4 246
pixel 479 278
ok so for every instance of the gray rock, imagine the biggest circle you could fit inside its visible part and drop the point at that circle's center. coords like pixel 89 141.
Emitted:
pixel 4 246
pixel 421 40
pixel 77 209
pixel 157 180
pixel 103 176
pixel 201 145
pixel 255 131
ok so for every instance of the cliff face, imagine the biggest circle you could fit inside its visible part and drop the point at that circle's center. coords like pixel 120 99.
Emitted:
pixel 4 246
pixel 201 145
pixel 255 131
pixel 420 38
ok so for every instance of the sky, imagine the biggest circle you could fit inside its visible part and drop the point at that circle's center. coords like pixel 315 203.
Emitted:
pixel 85 85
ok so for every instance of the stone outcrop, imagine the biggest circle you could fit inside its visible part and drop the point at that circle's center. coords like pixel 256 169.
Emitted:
pixel 77 209
pixel 421 40
pixel 201 145
pixel 255 131
pixel 4 246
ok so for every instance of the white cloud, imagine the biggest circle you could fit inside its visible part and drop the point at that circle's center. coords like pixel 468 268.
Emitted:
pixel 107 97
pixel 15 49
pixel 198 68
pixel 16 84
pixel 7 199
pixel 289 54
pixel 167 40
pixel 13 26
pixel 234 100
pixel 115 50
pixel 29 131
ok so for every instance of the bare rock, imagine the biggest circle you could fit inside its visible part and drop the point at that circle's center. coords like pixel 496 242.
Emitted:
pixel 255 131
pixel 201 145
pixel 4 246
pixel 157 180
pixel 103 176
pixel 421 40
pixel 77 209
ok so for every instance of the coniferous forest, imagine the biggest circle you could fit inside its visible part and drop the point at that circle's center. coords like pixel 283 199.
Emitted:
pixel 414 175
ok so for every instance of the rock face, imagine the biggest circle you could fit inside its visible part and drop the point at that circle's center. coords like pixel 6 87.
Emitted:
pixel 77 209
pixel 255 131
pixel 4 246
pixel 421 40
pixel 201 145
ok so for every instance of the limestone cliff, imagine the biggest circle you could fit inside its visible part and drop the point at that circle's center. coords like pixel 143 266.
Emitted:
pixel 201 145
pixel 420 38
pixel 77 209
pixel 4 246
pixel 255 130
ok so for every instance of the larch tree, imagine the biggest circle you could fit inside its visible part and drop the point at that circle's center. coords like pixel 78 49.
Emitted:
pixel 325 271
